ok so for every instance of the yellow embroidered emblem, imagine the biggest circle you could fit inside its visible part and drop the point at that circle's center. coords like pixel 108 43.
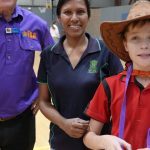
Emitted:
pixel 29 34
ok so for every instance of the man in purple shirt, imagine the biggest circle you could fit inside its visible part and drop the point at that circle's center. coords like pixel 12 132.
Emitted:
pixel 21 34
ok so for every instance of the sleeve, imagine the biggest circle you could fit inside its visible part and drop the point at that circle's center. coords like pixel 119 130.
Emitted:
pixel 42 73
pixel 115 65
pixel 98 106
pixel 109 64
pixel 46 38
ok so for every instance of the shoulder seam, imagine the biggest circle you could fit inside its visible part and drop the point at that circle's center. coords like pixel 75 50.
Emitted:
pixel 99 44
pixel 53 47
pixel 107 90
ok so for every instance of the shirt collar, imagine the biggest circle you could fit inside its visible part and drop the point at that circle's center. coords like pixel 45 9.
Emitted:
pixel 133 80
pixel 123 77
pixel 93 45
pixel 17 12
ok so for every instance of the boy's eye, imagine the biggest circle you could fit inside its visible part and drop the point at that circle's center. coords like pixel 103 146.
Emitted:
pixel 134 38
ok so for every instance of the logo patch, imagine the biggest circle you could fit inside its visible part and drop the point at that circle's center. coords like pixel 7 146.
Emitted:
pixel 93 66
pixel 29 34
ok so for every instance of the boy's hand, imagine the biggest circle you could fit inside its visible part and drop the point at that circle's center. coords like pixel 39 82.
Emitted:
pixel 115 143
pixel 143 149
pixel 75 127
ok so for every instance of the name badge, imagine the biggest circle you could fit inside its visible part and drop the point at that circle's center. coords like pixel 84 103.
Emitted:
pixel 8 30
pixel 12 30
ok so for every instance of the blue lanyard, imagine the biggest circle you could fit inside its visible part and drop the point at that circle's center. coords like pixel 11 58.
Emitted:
pixel 123 109
pixel 148 138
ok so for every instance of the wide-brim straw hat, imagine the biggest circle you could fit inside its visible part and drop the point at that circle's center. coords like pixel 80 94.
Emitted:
pixel 111 30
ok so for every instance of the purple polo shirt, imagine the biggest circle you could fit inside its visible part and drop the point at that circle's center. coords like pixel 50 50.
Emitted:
pixel 24 34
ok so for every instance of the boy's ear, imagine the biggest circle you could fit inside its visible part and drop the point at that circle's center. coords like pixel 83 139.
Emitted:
pixel 125 45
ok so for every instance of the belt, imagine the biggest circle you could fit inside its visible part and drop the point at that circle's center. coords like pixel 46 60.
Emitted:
pixel 23 114
pixel 6 119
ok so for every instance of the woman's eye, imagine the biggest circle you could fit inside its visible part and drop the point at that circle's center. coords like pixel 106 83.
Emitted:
pixel 81 12
pixel 67 13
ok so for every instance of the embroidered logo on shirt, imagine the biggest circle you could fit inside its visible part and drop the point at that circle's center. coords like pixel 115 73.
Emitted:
pixel 93 66
pixel 29 34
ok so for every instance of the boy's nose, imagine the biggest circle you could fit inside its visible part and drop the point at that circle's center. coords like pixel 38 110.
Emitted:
pixel 145 45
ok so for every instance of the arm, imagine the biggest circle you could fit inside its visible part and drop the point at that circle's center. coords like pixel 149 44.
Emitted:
pixel 46 106
pixel 47 38
pixel 74 127
pixel 143 149
pixel 93 140
pixel 99 112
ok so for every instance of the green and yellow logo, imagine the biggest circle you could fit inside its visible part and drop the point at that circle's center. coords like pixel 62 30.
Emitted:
pixel 93 66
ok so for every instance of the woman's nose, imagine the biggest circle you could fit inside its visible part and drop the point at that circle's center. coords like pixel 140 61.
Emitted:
pixel 74 17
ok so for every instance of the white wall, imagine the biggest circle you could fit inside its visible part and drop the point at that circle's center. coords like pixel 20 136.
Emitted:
pixel 94 3
pixel 29 2
pixel 105 14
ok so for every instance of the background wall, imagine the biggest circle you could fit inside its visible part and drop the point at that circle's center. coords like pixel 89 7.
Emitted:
pixel 97 14
pixel 94 3
pixel 105 14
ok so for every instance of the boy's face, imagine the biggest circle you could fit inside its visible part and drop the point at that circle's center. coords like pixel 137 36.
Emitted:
pixel 137 44
pixel 7 4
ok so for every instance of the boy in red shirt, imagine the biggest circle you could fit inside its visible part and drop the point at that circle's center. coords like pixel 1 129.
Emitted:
pixel 130 90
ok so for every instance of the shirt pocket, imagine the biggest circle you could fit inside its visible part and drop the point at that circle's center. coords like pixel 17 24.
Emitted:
pixel 30 44
pixel 28 47
pixel 23 58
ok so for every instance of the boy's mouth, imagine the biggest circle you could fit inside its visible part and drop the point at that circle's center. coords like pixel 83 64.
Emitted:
pixel 144 55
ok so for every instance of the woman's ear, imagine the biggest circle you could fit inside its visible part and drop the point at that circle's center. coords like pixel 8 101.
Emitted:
pixel 58 20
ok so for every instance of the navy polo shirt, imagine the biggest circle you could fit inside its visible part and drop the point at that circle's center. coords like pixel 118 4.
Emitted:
pixel 72 89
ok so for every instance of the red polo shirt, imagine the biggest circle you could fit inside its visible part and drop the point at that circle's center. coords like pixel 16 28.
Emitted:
pixel 137 119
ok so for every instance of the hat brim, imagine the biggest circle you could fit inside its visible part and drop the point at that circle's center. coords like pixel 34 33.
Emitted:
pixel 110 32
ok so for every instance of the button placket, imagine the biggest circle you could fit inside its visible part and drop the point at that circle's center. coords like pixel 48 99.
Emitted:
pixel 9 45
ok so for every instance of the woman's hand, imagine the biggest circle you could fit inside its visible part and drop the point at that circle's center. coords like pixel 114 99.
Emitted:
pixel 114 143
pixel 75 127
